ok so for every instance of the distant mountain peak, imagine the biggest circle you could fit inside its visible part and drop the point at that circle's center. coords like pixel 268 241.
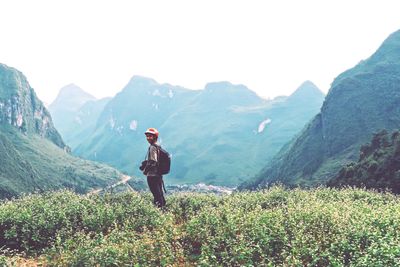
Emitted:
pixel 306 90
pixel 220 84
pixel 142 81
pixel 392 41
pixel 72 90
pixel 388 52
pixel 224 85
pixel 308 83
pixel 70 97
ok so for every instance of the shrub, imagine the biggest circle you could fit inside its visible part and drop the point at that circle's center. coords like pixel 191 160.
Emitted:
pixel 275 227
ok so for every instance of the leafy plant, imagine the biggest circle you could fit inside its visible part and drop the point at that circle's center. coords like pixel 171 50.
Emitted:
pixel 274 227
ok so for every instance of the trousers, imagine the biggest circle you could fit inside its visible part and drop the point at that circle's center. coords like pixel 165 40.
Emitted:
pixel 155 184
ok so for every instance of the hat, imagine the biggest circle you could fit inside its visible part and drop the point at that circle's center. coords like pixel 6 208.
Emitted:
pixel 152 131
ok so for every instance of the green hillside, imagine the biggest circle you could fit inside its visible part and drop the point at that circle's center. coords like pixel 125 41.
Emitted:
pixel 278 227
pixel 35 164
pixel 362 101
pixel 378 166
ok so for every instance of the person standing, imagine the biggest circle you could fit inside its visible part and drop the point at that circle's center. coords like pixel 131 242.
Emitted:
pixel 150 168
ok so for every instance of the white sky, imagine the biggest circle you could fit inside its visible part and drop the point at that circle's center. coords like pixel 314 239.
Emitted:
pixel 269 46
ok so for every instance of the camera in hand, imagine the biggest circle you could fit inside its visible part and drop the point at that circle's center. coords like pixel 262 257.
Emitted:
pixel 143 165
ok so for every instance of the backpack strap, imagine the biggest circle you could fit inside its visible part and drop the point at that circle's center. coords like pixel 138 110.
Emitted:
pixel 158 153
pixel 158 164
pixel 147 154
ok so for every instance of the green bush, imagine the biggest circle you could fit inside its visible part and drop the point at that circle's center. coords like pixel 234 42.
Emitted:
pixel 275 227
pixel 32 223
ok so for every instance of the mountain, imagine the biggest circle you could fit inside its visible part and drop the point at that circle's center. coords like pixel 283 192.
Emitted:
pixel 361 101
pixel 378 166
pixel 219 135
pixel 65 107
pixel 33 155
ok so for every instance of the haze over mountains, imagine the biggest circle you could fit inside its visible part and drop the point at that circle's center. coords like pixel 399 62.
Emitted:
pixel 69 100
pixel 223 134
pixel 33 155
pixel 220 135
pixel 75 113
pixel 362 100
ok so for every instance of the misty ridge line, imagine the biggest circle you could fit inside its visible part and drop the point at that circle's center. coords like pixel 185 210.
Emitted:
pixel 72 88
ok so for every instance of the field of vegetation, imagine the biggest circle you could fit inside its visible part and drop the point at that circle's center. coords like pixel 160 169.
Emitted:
pixel 275 227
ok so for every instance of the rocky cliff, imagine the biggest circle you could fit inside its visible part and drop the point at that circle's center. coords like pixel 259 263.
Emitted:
pixel 21 108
